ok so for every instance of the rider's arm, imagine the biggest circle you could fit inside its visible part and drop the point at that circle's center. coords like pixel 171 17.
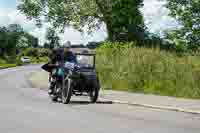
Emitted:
pixel 52 60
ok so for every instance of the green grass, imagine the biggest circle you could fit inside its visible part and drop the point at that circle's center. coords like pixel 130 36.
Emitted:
pixel 149 71
pixel 7 65
pixel 4 64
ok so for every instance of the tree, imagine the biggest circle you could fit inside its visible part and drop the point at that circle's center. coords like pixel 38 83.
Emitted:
pixel 117 15
pixel 15 28
pixel 46 45
pixel 52 38
pixel 10 36
pixel 13 38
pixel 23 42
pixel 187 12
pixel 15 31
pixel 32 41
pixel 28 40
pixel 3 40
pixel 35 42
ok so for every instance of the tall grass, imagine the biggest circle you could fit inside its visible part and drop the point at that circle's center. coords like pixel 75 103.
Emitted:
pixel 148 71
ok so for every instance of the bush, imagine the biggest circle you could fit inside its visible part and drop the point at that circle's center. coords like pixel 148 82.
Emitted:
pixel 10 59
pixel 37 55
pixel 39 59
pixel 148 71
pixel 18 61
pixel 44 52
pixel 31 52
pixel 2 61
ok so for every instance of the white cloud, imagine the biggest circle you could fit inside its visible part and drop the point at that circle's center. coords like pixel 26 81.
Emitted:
pixel 10 16
pixel 156 18
pixel 4 19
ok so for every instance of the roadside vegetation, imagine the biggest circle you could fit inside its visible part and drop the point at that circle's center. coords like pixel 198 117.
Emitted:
pixel 16 43
pixel 36 55
pixel 2 66
pixel 148 70
pixel 5 63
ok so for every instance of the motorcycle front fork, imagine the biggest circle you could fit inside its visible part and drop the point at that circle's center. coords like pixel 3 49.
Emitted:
pixel 56 86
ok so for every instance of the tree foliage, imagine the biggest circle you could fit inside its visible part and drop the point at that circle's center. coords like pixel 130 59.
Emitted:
pixel 117 15
pixel 52 38
pixel 9 37
pixel 32 41
pixel 13 38
pixel 187 12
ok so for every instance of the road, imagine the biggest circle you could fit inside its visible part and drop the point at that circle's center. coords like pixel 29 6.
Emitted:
pixel 29 110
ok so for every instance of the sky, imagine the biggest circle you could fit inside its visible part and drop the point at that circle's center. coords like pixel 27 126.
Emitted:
pixel 155 15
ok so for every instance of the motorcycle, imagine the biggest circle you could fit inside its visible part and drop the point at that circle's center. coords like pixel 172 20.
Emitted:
pixel 75 79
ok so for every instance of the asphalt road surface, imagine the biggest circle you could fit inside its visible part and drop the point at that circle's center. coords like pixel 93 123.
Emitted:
pixel 29 110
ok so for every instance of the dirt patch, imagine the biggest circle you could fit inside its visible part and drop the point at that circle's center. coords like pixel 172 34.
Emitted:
pixel 39 80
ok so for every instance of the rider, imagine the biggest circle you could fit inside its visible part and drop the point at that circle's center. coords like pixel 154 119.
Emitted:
pixel 59 56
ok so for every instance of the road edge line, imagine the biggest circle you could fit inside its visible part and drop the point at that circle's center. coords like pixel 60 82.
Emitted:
pixel 155 106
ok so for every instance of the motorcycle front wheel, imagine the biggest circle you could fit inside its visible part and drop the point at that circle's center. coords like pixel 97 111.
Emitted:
pixel 66 91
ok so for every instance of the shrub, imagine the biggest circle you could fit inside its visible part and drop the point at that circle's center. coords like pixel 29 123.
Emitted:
pixel 31 52
pixel 10 59
pixel 44 52
pixel 37 55
pixel 39 59
pixel 2 61
pixel 18 60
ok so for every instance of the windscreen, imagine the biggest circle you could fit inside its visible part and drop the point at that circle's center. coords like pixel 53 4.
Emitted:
pixel 85 61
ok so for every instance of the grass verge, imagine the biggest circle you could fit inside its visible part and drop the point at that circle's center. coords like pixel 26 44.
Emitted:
pixel 3 66
pixel 149 71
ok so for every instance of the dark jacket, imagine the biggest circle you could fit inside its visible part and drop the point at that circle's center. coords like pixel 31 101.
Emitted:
pixel 58 55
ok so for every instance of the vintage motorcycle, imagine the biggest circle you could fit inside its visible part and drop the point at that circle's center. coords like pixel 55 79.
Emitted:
pixel 76 79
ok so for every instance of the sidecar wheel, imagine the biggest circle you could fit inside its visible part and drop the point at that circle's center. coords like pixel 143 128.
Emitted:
pixel 94 94
pixel 66 91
